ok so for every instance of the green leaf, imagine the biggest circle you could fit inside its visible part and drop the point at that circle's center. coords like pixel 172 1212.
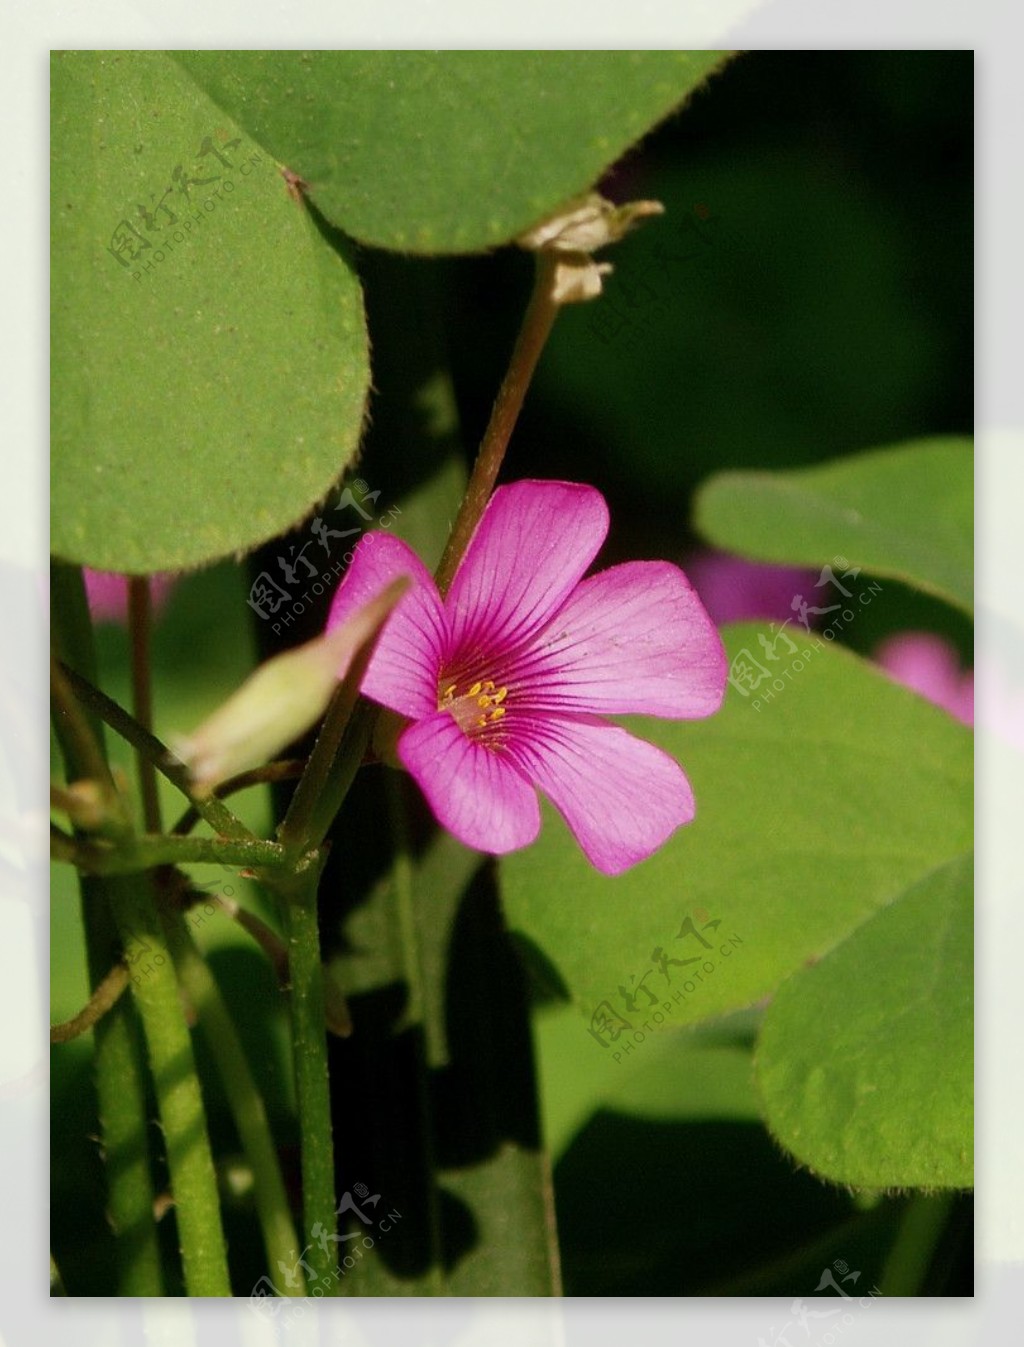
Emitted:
pixel 858 508
pixel 209 390
pixel 815 808
pixel 447 152
pixel 865 1063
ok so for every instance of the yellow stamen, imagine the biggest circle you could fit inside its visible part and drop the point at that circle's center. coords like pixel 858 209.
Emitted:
pixel 474 708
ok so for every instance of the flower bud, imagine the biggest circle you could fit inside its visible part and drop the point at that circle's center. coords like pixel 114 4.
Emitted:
pixel 282 699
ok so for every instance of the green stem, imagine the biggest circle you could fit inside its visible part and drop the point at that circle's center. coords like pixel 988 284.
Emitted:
pixel 339 749
pixel 286 769
pixel 244 1098
pixel 403 875
pixel 144 853
pixel 120 1073
pixel 309 1043
pixel 178 1094
pixel 77 731
pixel 911 1255
pixel 213 810
pixel 140 624
pixel 118 1064
pixel 349 758
pixel 103 999
pixel 538 320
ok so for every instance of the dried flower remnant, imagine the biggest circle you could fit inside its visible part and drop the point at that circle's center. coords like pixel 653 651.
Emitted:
pixel 575 232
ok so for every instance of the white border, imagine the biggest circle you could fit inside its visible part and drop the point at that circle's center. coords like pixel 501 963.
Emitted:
pixel 993 29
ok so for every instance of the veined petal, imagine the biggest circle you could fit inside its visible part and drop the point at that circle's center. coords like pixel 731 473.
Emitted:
pixel 403 671
pixel 475 792
pixel 632 639
pixel 533 543
pixel 622 797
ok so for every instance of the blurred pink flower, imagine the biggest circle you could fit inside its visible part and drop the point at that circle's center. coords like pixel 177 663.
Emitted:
pixel 929 664
pixel 107 592
pixel 736 590
pixel 507 680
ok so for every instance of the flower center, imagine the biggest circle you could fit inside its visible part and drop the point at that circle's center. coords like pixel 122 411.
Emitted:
pixel 476 708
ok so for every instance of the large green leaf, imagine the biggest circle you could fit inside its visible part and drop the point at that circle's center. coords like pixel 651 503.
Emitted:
pixel 817 804
pixel 858 508
pixel 865 1062
pixel 209 354
pixel 449 151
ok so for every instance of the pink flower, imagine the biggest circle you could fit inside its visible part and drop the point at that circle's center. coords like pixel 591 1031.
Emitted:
pixel 929 665
pixel 107 592
pixel 734 589
pixel 507 680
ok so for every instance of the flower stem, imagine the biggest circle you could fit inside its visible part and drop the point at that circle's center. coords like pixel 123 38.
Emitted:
pixel 403 875
pixel 129 903
pixel 178 1094
pixel 536 326
pixel 339 749
pixel 145 852
pixel 244 1098
pixel 286 769
pixel 309 1049
pixel 920 1230
pixel 213 810
pixel 140 624
pixel 118 1063
pixel 104 998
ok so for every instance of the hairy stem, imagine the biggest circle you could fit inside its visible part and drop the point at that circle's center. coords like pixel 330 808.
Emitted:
pixel 213 810
pixel 118 1058
pixel 536 327
pixel 309 1045
pixel 178 1094
pixel 104 998
pixel 336 756
pixel 140 624
pixel 287 769
pixel 129 903
pixel 244 1099
pixel 144 853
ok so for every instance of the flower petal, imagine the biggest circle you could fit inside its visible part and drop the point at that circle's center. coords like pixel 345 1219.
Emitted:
pixel 532 545
pixel 633 638
pixel 475 792
pixel 622 797
pixel 403 671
